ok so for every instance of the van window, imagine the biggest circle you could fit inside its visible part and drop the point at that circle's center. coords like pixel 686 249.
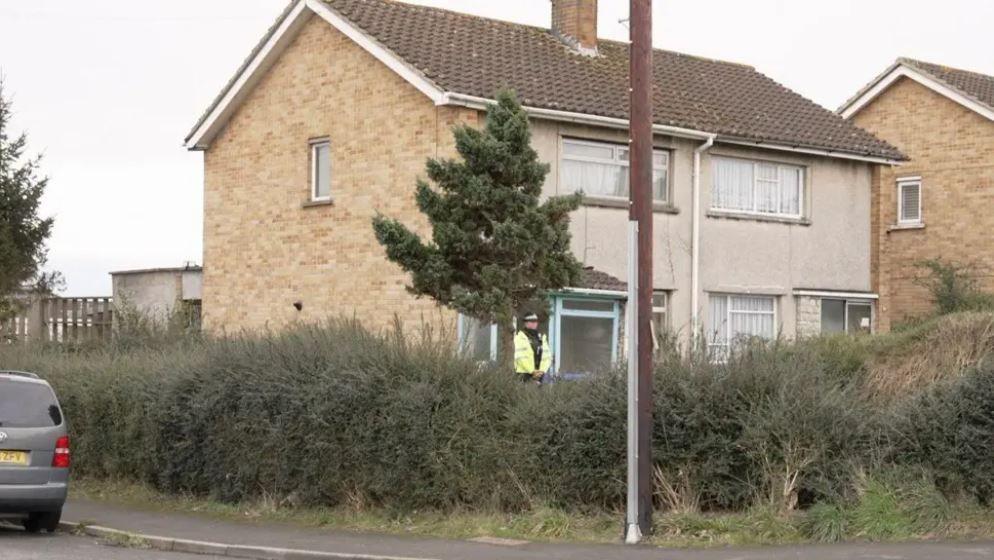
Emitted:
pixel 27 405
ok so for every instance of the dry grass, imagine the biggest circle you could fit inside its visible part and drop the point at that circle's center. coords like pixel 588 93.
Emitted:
pixel 935 351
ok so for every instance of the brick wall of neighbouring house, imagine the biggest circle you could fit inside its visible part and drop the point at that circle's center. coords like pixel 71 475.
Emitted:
pixel 263 250
pixel 952 149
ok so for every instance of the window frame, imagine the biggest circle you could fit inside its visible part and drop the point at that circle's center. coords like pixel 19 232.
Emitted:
pixel 901 184
pixel 801 187
pixel 727 345
pixel 625 164
pixel 847 303
pixel 314 144
pixel 663 310
pixel 462 340
pixel 559 311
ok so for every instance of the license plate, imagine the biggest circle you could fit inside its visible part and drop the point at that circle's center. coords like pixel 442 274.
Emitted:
pixel 13 458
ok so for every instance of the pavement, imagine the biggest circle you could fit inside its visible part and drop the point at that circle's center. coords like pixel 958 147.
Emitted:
pixel 15 544
pixel 283 540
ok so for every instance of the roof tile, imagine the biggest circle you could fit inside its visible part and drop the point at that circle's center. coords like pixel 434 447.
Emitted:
pixel 476 56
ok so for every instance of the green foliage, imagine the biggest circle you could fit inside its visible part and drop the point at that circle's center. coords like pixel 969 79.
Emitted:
pixel 953 287
pixel 335 415
pixel 949 428
pixel 495 248
pixel 23 232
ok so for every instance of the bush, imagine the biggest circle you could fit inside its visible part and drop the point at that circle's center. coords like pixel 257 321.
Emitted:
pixel 953 287
pixel 949 429
pixel 338 415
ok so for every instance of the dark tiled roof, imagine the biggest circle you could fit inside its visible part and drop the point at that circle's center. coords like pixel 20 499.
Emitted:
pixel 979 87
pixel 475 56
pixel 593 279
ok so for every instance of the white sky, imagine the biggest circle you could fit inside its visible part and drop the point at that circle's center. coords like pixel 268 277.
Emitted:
pixel 108 89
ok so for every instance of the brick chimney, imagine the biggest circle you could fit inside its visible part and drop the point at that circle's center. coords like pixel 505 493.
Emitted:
pixel 575 23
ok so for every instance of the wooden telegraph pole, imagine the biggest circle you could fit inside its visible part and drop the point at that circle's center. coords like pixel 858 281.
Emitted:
pixel 639 309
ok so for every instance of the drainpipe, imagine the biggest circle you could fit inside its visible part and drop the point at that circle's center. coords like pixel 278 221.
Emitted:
pixel 695 244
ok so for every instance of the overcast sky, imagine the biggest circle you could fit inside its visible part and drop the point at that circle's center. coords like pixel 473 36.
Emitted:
pixel 108 89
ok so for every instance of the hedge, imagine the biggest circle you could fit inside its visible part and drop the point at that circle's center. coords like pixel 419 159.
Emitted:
pixel 337 415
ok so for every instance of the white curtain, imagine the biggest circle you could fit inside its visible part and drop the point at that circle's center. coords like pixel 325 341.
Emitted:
pixel 790 190
pixel 733 184
pixel 751 316
pixel 767 189
pixel 595 179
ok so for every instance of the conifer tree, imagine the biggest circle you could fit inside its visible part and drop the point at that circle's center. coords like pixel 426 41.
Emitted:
pixel 496 248
pixel 23 232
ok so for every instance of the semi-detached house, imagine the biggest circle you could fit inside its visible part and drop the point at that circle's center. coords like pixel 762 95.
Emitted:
pixel 762 198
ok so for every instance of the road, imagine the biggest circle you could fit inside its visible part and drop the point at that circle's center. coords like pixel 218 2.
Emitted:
pixel 15 544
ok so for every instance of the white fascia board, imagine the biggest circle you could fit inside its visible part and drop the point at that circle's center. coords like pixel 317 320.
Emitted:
pixel 592 292
pixel 285 33
pixel 286 30
pixel 905 71
pixel 809 151
pixel 480 103
pixel 838 295
pixel 373 47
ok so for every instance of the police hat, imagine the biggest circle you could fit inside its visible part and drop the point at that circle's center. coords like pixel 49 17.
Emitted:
pixel 531 317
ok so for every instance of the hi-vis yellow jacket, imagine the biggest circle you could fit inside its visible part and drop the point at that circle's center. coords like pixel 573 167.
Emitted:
pixel 524 357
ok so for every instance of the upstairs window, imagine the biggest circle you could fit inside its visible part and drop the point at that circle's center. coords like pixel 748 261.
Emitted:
pixel 320 170
pixel 600 170
pixel 909 201
pixel 757 187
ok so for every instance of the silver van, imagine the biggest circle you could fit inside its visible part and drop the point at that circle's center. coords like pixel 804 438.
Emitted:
pixel 34 452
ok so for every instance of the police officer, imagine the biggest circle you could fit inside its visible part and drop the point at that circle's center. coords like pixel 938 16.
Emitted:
pixel 532 356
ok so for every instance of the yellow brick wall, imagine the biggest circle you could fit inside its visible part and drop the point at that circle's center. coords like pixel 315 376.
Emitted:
pixel 263 250
pixel 952 149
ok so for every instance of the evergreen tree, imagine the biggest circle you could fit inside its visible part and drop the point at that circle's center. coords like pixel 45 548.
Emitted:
pixel 496 249
pixel 23 232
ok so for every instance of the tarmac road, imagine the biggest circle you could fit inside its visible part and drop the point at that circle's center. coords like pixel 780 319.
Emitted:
pixel 15 544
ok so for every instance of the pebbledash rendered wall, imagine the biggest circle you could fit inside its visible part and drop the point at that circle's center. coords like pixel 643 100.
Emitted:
pixel 828 250
pixel 952 149
pixel 265 248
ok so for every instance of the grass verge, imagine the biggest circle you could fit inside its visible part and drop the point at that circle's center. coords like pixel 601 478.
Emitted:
pixel 881 515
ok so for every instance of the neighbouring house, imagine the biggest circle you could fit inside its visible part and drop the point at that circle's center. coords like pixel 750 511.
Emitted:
pixel 762 224
pixel 160 294
pixel 938 204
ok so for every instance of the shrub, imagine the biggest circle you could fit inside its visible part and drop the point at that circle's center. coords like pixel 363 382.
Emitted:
pixel 338 415
pixel 953 287
pixel 948 429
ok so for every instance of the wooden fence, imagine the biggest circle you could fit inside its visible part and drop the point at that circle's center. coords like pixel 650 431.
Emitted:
pixel 64 320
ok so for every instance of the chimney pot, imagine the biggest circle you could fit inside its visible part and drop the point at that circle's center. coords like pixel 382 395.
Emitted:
pixel 575 23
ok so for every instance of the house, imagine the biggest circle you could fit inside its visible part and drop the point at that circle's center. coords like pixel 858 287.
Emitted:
pixel 160 293
pixel 938 203
pixel 762 197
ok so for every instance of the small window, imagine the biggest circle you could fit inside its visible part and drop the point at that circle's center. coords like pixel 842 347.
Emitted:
pixel 909 201
pixel 756 187
pixel 736 318
pixel 320 170
pixel 660 326
pixel 586 335
pixel 476 340
pixel 842 316
pixel 599 169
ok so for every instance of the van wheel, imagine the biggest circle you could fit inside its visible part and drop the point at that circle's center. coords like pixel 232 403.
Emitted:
pixel 48 521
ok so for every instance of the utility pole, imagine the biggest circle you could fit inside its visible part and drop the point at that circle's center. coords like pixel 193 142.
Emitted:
pixel 639 309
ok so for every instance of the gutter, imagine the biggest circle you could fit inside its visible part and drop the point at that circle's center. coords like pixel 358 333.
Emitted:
pixel 480 103
pixel 695 244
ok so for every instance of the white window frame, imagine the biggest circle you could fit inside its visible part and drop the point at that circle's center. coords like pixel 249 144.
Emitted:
pixel 901 184
pixel 727 345
pixel 801 186
pixel 664 310
pixel 314 145
pixel 463 341
pixel 560 311
pixel 617 160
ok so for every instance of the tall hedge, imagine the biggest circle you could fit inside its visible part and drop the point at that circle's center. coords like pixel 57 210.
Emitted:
pixel 336 415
